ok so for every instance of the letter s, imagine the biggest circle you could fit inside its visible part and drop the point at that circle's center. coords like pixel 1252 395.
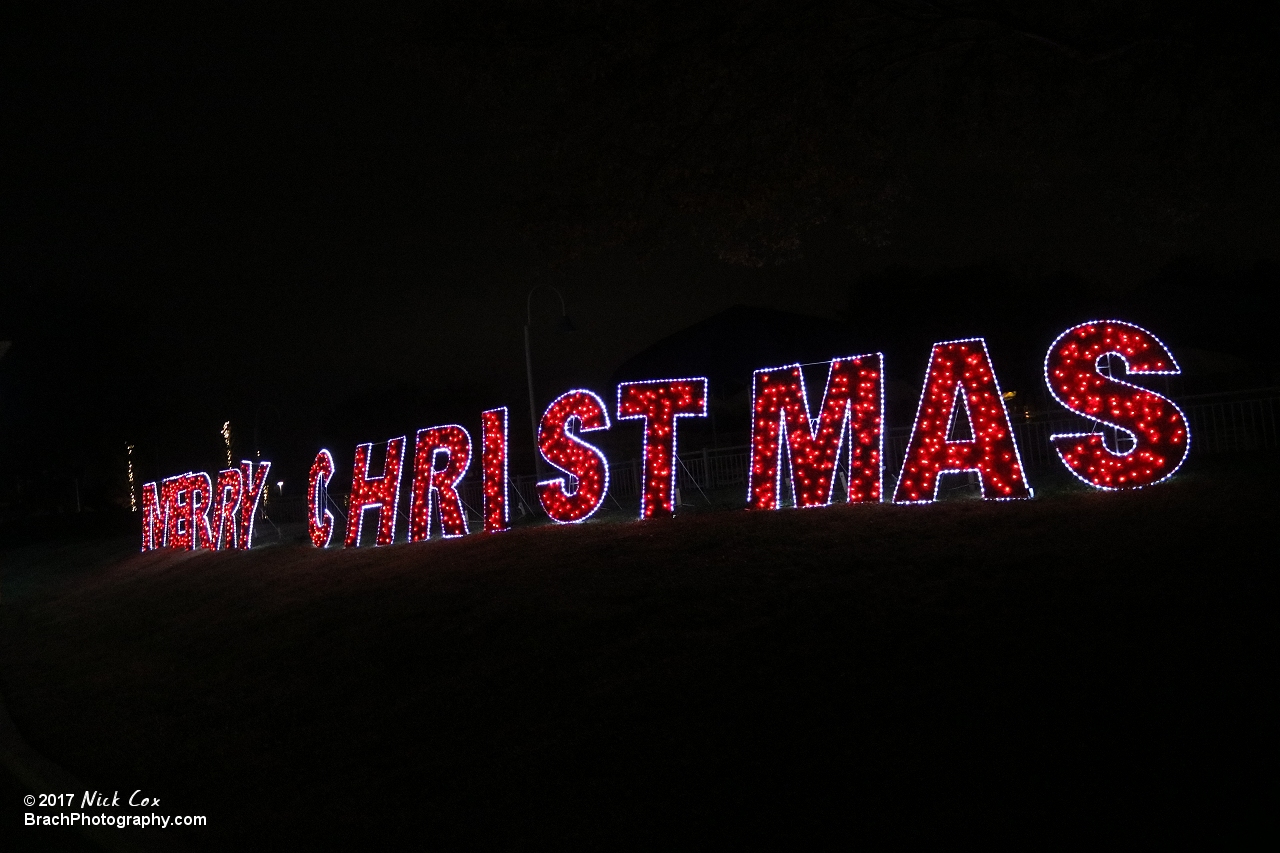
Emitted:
pixel 583 462
pixel 1074 373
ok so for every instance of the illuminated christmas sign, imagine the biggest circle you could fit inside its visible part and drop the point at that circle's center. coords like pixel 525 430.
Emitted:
pixel 961 425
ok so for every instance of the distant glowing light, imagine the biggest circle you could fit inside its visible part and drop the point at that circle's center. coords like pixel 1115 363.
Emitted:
pixel 226 439
pixel 133 490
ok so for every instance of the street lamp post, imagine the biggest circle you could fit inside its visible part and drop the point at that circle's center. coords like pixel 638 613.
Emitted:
pixel 566 325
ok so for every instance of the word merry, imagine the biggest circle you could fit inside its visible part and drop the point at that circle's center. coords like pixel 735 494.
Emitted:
pixel 193 511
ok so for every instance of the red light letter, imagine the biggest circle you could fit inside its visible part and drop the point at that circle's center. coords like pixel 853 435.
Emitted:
pixel 382 493
pixel 254 484
pixel 201 494
pixel 583 463
pixel 493 464
pixel 439 485
pixel 176 494
pixel 319 519
pixel 1073 370
pixel 228 492
pixel 153 518
pixel 960 372
pixel 658 403
pixel 852 403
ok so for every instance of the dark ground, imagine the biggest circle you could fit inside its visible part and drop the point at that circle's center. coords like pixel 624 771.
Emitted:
pixel 1079 669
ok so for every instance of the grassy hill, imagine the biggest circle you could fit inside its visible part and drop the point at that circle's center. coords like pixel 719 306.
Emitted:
pixel 1071 669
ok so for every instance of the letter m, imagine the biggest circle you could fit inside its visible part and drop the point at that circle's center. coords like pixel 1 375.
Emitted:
pixel 848 426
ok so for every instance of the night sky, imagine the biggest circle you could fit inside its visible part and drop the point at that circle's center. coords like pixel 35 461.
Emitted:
pixel 327 223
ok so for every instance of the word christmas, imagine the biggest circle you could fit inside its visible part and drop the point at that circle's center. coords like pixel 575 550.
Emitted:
pixel 846 433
